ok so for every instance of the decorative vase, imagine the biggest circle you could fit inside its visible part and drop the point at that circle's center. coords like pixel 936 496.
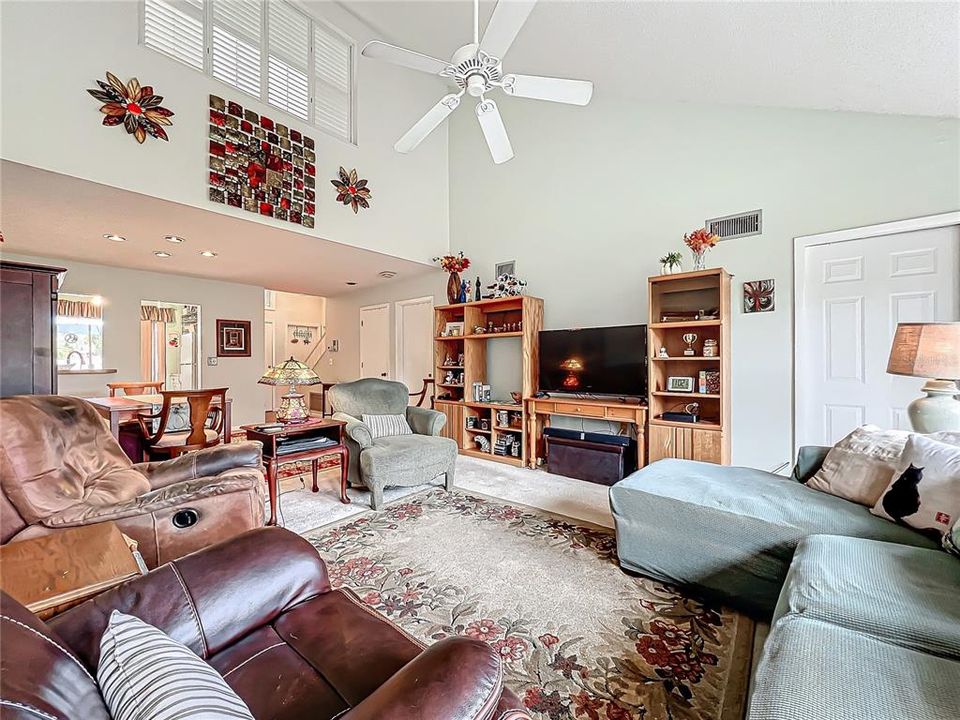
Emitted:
pixel 453 288
pixel 698 260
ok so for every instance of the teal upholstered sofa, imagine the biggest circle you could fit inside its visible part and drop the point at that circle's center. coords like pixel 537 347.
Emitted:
pixel 865 613
pixel 731 532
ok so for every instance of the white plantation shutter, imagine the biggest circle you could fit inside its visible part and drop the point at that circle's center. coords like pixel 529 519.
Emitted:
pixel 237 28
pixel 267 48
pixel 333 74
pixel 288 48
pixel 175 28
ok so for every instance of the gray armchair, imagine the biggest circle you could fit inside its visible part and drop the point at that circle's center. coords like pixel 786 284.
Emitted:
pixel 398 460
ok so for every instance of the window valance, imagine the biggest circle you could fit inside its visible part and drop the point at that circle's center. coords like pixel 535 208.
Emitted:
pixel 155 313
pixel 79 309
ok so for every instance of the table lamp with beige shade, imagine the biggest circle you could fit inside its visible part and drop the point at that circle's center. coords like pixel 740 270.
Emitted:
pixel 291 372
pixel 930 350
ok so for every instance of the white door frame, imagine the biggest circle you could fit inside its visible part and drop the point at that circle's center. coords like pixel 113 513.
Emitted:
pixel 378 306
pixel 800 245
pixel 398 348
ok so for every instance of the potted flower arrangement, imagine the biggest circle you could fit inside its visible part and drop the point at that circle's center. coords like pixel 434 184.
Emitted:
pixel 453 264
pixel 699 241
pixel 670 263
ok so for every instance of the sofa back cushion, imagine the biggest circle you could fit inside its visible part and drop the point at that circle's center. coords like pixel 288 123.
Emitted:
pixel 56 453
pixel 371 396
pixel 861 465
pixel 41 676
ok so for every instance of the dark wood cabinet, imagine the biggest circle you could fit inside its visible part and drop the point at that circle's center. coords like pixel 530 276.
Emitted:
pixel 28 314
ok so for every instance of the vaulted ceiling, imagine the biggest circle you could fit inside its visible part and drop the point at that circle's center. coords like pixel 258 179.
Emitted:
pixel 882 57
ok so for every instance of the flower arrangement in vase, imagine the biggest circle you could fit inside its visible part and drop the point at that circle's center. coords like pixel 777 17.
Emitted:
pixel 453 264
pixel 670 263
pixel 699 241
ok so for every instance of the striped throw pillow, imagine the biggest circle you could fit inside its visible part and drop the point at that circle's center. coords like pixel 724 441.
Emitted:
pixel 387 425
pixel 146 675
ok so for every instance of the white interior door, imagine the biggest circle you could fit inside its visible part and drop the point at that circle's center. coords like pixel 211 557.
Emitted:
pixel 414 341
pixel 269 359
pixel 852 296
pixel 375 341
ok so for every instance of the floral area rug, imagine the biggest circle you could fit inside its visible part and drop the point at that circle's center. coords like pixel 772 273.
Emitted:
pixel 580 639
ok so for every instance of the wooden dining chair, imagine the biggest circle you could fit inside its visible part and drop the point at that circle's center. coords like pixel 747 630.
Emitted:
pixel 205 427
pixel 135 388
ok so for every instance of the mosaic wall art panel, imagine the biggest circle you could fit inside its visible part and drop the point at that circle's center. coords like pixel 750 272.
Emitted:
pixel 260 165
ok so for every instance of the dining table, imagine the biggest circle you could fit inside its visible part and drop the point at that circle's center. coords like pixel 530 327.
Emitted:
pixel 121 412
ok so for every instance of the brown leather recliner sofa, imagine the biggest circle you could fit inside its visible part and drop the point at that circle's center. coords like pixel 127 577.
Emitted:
pixel 259 609
pixel 60 467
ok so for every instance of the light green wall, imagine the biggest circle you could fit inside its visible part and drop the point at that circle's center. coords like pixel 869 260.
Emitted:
pixel 595 195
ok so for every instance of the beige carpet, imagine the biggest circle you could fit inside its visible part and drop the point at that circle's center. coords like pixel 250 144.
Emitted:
pixel 580 639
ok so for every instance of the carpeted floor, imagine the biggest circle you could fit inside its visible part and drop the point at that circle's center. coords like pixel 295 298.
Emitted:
pixel 580 639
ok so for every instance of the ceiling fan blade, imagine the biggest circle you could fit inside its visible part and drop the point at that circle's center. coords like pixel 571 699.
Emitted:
pixel 494 131
pixel 507 19
pixel 400 56
pixel 427 124
pixel 573 92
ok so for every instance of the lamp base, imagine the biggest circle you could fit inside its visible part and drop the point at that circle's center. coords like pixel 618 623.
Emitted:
pixel 292 409
pixel 939 410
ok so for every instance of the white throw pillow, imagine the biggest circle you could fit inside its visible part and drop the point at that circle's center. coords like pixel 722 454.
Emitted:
pixel 925 492
pixel 861 466
pixel 387 425
pixel 146 675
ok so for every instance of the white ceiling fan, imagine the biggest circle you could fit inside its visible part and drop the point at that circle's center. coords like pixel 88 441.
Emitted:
pixel 476 69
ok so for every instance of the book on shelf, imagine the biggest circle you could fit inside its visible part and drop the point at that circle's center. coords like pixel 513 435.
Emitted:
pixel 708 382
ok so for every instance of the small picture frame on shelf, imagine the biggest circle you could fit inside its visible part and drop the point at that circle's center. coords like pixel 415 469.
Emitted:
pixel 680 384
pixel 453 329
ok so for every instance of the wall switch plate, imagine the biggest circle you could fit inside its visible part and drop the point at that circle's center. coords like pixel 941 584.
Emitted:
pixel 212 361
pixel 335 346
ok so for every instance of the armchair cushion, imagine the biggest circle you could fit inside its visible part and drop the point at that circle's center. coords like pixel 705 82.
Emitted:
pixel 143 673
pixel 425 421
pixel 403 456
pixel 387 425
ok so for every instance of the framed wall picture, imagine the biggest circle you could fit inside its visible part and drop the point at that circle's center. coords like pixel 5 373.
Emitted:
pixel 233 338
pixel 505 268
pixel 759 296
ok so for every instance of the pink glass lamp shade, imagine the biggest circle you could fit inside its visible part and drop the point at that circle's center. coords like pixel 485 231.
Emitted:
pixel 291 372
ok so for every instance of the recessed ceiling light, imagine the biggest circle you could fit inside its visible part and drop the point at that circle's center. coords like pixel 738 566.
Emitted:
pixel 115 238
pixel 162 253
pixel 208 253
pixel 173 238
pixel 351 283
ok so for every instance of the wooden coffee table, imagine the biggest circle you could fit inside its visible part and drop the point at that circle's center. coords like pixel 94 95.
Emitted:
pixel 273 459
pixel 51 573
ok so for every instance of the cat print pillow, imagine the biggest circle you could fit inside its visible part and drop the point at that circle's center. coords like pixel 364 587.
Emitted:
pixel 925 490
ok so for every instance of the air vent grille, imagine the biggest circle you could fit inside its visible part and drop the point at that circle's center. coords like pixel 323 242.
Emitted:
pixel 736 226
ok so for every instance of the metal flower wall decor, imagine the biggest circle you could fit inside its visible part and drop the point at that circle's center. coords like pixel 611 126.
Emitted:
pixel 134 106
pixel 351 190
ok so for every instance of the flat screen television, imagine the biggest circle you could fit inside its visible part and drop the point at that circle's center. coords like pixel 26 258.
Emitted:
pixel 595 361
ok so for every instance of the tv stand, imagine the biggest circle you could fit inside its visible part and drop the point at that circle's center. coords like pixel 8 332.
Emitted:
pixel 621 410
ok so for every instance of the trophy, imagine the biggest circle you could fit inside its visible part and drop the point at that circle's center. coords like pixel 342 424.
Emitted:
pixel 689 339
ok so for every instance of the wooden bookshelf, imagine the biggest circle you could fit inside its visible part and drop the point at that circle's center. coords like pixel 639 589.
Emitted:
pixel 709 439
pixel 456 401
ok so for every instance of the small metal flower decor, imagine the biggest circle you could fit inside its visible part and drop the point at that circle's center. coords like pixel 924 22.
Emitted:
pixel 134 106
pixel 351 190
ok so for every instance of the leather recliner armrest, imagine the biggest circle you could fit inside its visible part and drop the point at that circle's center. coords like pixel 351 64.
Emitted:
pixel 454 678
pixel 209 599
pixel 424 421
pixel 203 463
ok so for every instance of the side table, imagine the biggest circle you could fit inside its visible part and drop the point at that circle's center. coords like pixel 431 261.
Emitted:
pixel 51 573
pixel 274 454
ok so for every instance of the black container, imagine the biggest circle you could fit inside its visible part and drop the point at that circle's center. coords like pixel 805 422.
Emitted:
pixel 596 462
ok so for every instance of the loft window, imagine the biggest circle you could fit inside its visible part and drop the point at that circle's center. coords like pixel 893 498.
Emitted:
pixel 266 48
pixel 79 332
